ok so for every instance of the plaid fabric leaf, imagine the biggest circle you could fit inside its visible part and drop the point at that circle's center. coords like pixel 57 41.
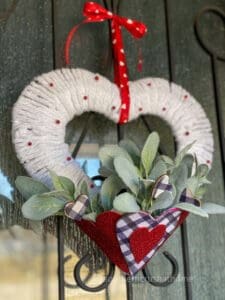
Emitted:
pixel 162 185
pixel 187 197
pixel 75 210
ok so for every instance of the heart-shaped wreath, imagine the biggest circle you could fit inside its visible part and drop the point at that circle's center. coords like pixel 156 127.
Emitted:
pixel 145 196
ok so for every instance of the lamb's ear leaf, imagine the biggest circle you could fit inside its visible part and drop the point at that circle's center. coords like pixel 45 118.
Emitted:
pixel 28 186
pixel 182 153
pixel 158 170
pixel 38 207
pixel 128 173
pixel 167 160
pixel 202 170
pixel 178 178
pixel 108 153
pixel 132 149
pixel 82 189
pixel 192 209
pixel 62 183
pixel 105 172
pixel 126 203
pixel 149 152
pixel 188 160
pixel 192 185
pixel 213 208
pixel 164 200
pixel 110 188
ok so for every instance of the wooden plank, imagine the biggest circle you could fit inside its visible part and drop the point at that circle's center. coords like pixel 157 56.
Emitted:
pixel 192 69
pixel 25 51
pixel 90 50
pixel 154 47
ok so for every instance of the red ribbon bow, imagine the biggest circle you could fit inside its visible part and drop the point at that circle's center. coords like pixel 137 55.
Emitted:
pixel 94 12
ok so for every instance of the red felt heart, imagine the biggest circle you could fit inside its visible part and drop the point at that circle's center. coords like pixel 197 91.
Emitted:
pixel 103 232
pixel 143 240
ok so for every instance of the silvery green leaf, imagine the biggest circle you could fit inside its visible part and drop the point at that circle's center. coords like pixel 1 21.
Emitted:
pixel 126 203
pixel 192 209
pixel 132 149
pixel 95 204
pixel 158 170
pixel 38 207
pixel 110 188
pixel 82 189
pixel 167 160
pixel 192 185
pixel 57 194
pixel 204 180
pixel 179 179
pixel 147 182
pixel 188 160
pixel 28 186
pixel 141 191
pixel 182 153
pixel 200 192
pixel 128 173
pixel 90 217
pixel 105 172
pixel 149 152
pixel 164 200
pixel 108 153
pixel 62 183
pixel 212 208
pixel 202 170
pixel 174 191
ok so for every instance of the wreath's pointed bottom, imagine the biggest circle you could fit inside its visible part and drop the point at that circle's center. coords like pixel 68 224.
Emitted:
pixel 144 242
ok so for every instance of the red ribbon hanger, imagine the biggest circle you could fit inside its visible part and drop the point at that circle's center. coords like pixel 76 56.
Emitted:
pixel 94 12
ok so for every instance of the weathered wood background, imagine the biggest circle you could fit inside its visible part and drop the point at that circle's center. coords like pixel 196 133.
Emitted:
pixel 32 35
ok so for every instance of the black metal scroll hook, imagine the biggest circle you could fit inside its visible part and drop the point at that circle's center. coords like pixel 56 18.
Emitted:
pixel 74 286
pixel 170 279
pixel 217 11
pixel 81 282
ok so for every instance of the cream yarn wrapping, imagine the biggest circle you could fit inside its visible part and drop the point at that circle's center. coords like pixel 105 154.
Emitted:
pixel 51 100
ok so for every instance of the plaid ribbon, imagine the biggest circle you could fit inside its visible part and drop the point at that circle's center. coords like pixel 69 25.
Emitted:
pixel 75 210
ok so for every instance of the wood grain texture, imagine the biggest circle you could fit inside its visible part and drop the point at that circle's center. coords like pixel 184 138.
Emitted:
pixel 26 50
pixel 193 69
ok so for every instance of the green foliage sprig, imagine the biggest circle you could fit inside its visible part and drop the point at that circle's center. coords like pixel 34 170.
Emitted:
pixel 131 175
